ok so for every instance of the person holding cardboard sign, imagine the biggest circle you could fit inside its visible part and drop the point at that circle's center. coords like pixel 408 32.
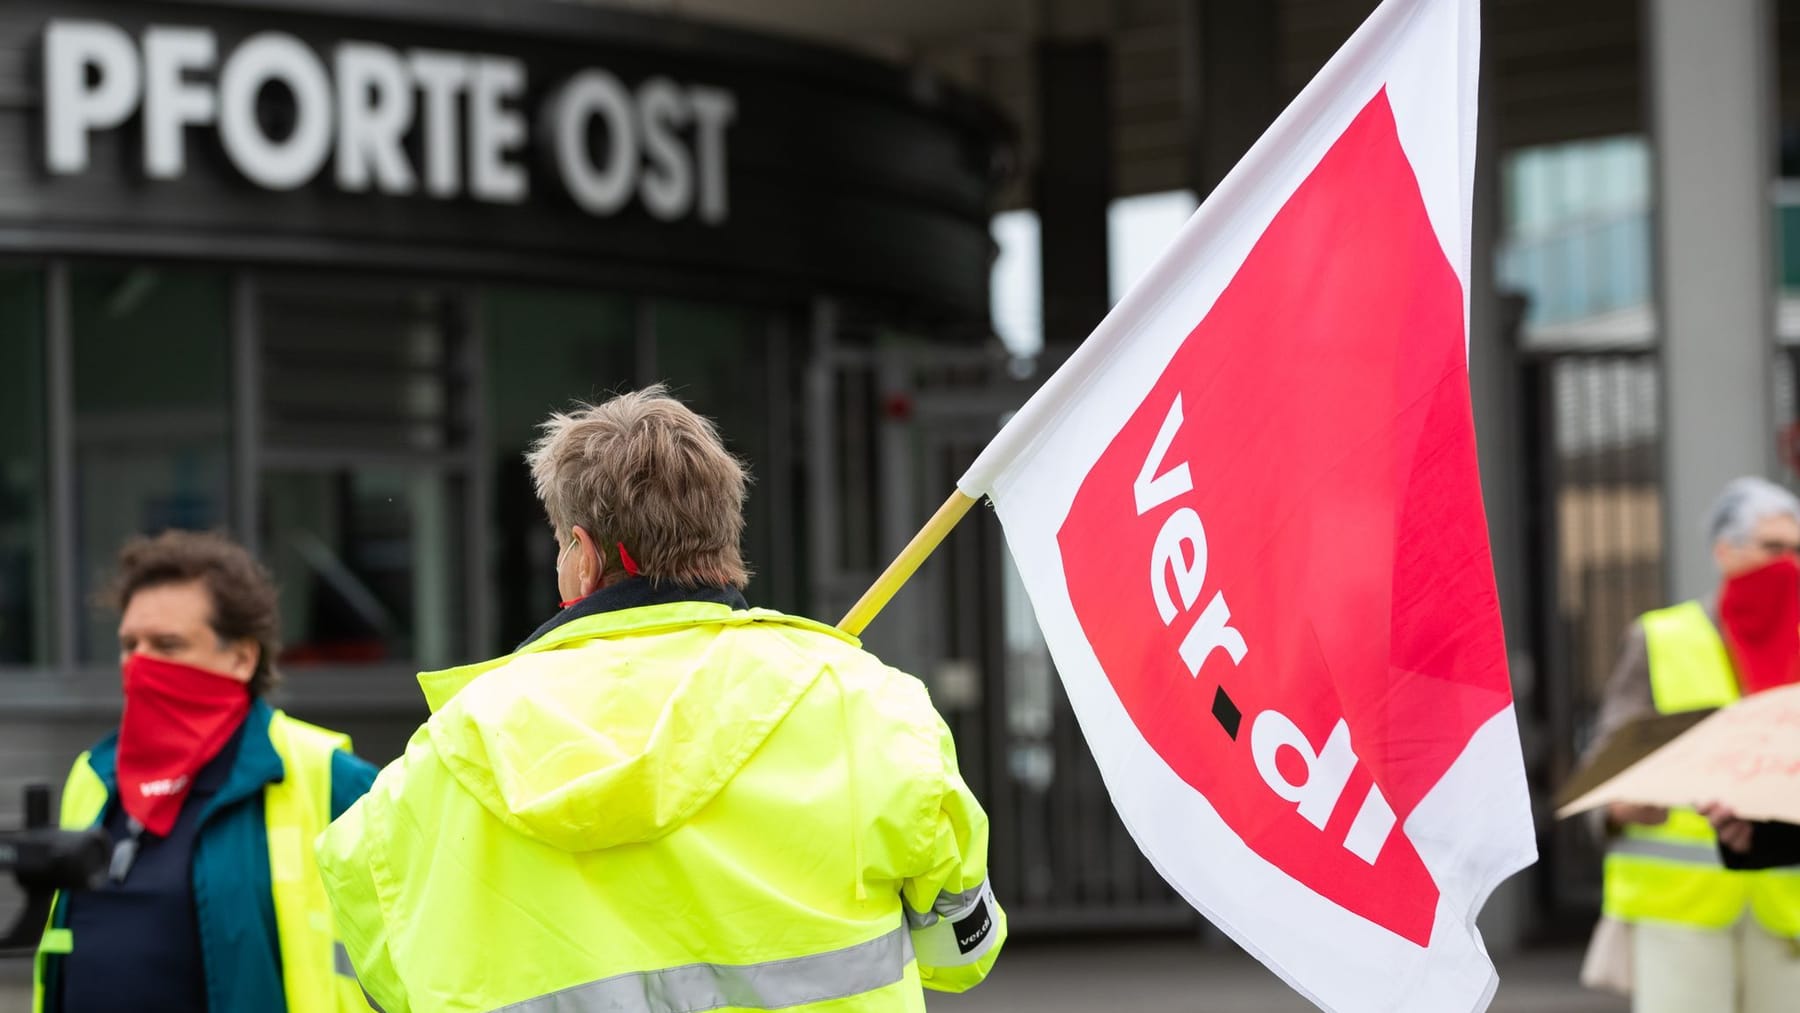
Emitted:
pixel 1705 936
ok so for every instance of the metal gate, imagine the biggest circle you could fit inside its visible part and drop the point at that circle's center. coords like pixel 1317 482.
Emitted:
pixel 892 424
pixel 1593 433
pixel 1594 441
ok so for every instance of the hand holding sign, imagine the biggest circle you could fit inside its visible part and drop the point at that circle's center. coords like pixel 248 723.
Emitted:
pixel 1745 758
pixel 1734 833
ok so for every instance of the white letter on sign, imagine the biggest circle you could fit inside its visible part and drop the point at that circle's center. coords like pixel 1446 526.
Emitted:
pixel 1370 829
pixel 600 190
pixel 441 77
pixel 1152 490
pixel 1209 633
pixel 667 186
pixel 1183 526
pixel 496 130
pixel 1327 772
pixel 171 101
pixel 375 101
pixel 72 107
pixel 264 59
pixel 713 111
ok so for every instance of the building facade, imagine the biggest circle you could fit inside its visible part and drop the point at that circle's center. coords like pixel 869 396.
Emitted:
pixel 311 271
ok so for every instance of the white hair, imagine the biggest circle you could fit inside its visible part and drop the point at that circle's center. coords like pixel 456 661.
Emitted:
pixel 1744 504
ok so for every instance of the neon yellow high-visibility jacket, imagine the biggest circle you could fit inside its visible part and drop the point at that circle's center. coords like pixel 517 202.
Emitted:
pixel 301 774
pixel 1671 873
pixel 676 807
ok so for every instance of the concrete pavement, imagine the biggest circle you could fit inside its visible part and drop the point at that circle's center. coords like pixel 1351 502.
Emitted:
pixel 1150 976
pixel 1181 976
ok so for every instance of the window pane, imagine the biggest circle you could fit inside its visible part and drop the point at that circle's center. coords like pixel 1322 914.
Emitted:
pixel 1016 285
pixel 152 415
pixel 370 368
pixel 1138 230
pixel 545 348
pixel 1577 243
pixel 24 585
pixel 364 488
pixel 368 561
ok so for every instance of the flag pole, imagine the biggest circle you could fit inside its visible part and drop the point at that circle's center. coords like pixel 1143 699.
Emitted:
pixel 906 564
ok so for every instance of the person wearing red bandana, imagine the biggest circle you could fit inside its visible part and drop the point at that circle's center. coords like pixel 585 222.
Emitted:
pixel 212 799
pixel 1705 933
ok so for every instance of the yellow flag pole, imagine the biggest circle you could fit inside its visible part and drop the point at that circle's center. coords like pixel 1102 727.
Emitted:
pixel 906 564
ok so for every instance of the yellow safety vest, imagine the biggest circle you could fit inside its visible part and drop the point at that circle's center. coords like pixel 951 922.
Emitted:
pixel 665 809
pixel 315 969
pixel 1671 873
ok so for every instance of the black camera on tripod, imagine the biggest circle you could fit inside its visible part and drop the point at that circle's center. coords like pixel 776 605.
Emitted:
pixel 44 860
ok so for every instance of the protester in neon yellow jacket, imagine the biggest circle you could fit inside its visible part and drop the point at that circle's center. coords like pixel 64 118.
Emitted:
pixel 665 801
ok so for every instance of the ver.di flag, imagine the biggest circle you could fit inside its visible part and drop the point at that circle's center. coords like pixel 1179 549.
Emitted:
pixel 1248 517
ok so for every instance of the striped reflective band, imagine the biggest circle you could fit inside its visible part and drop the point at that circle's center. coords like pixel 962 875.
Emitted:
pixel 1668 851
pixel 959 929
pixel 948 905
pixel 340 961
pixel 776 984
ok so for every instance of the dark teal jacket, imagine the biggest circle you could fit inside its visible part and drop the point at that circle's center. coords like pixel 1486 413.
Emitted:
pixel 233 902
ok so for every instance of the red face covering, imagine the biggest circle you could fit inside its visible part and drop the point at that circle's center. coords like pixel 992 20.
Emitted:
pixel 177 717
pixel 1760 611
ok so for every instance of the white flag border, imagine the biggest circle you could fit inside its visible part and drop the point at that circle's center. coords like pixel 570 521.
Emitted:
pixel 1288 151
pixel 1110 376
pixel 1264 910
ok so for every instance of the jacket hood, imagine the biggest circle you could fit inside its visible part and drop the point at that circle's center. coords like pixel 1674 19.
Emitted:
pixel 617 728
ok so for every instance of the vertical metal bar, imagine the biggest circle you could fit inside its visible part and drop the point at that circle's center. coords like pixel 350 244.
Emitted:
pixel 644 320
pixel 1066 804
pixel 478 493
pixel 1624 495
pixel 778 483
pixel 906 638
pixel 64 512
pixel 1591 523
pixel 246 409
pixel 1791 425
pixel 1563 692
pixel 821 463
pixel 1004 795
pixel 1654 377
pixel 853 415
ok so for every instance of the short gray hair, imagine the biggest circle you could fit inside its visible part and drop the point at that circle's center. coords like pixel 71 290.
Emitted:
pixel 644 474
pixel 1744 504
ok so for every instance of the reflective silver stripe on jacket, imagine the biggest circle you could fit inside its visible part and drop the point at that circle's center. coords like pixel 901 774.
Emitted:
pixel 948 905
pixel 1668 851
pixel 340 959
pixel 959 929
pixel 776 984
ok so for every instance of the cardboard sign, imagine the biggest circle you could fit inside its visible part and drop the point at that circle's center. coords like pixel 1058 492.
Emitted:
pixel 1626 746
pixel 1746 756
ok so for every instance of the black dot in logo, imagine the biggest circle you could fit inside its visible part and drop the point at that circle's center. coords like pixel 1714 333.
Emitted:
pixel 1227 713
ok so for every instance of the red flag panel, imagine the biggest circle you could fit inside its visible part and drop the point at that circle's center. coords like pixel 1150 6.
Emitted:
pixel 1281 560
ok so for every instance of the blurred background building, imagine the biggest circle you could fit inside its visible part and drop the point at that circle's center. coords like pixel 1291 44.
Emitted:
pixel 312 270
